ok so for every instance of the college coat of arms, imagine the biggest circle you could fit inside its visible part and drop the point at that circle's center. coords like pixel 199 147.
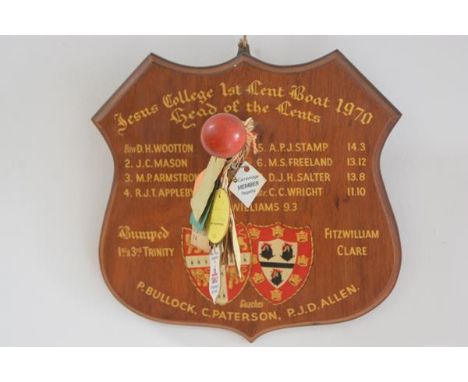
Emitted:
pixel 198 267
pixel 281 260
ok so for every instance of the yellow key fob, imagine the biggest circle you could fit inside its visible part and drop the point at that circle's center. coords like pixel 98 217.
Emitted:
pixel 218 219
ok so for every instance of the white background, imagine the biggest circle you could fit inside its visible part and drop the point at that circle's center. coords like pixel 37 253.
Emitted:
pixel 56 174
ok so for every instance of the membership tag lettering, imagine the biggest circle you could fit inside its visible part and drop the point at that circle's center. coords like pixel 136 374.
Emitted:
pixel 247 183
pixel 214 281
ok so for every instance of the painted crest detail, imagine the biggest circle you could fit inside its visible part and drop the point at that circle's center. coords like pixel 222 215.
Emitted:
pixel 281 260
pixel 198 267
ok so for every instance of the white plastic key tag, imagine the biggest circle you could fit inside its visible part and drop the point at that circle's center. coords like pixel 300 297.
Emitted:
pixel 215 280
pixel 247 183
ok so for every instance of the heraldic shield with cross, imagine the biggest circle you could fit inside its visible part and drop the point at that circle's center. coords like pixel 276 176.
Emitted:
pixel 248 196
pixel 198 267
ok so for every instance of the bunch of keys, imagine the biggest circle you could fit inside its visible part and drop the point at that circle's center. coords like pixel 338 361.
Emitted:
pixel 228 140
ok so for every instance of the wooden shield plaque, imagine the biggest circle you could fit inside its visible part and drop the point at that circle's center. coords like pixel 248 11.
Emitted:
pixel 319 244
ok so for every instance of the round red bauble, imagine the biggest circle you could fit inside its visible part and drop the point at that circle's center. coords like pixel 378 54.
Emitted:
pixel 223 135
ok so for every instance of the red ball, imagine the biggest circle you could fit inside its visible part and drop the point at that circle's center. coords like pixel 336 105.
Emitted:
pixel 223 135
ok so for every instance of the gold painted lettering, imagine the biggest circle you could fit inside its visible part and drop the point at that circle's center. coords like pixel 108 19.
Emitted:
pixel 256 88
pixel 285 108
pixel 343 250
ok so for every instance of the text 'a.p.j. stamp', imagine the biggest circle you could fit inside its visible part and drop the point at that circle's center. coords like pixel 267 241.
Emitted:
pixel 247 183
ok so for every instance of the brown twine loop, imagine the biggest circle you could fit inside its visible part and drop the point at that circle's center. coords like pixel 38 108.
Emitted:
pixel 235 162
pixel 251 137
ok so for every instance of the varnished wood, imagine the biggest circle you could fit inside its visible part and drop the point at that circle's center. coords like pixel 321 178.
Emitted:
pixel 340 287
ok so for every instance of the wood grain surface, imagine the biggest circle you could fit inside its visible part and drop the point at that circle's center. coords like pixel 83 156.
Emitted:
pixel 321 127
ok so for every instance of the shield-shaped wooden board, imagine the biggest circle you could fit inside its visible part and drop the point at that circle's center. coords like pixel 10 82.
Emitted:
pixel 319 243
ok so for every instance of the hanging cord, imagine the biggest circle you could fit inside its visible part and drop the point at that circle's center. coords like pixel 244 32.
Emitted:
pixel 235 162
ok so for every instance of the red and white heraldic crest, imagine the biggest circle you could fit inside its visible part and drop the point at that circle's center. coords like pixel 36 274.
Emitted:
pixel 198 266
pixel 281 260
